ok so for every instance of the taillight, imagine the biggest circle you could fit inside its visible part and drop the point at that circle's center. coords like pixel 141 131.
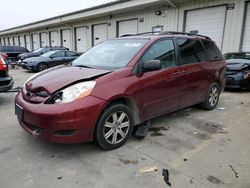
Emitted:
pixel 3 65
pixel 5 55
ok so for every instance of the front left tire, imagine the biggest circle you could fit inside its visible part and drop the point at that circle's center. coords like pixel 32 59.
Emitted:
pixel 114 127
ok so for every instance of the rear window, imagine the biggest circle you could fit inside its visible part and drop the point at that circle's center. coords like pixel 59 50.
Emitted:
pixel 213 53
pixel 19 49
pixel 7 49
pixel 191 51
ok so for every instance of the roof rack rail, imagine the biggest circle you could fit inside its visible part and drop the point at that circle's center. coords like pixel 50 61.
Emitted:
pixel 183 33
pixel 151 32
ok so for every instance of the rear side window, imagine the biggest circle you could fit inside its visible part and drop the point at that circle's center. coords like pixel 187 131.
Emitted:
pixel 163 51
pixel 70 54
pixel 213 53
pixel 191 51
pixel 59 54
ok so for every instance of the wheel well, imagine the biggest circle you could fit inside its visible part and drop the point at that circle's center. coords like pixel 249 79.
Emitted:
pixel 131 104
pixel 219 83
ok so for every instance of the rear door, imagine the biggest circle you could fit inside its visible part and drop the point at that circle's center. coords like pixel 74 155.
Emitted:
pixel 161 89
pixel 58 59
pixel 194 71
pixel 70 56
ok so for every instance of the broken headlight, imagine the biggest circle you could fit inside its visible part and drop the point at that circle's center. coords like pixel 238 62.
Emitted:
pixel 73 92
pixel 246 74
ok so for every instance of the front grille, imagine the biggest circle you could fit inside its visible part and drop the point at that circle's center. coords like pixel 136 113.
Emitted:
pixel 35 97
pixel 33 127
pixel 3 73
pixel 5 83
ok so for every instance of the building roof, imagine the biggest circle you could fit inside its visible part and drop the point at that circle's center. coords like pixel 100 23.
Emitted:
pixel 92 12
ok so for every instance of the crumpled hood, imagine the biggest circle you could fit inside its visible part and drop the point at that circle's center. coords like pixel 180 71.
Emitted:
pixel 237 64
pixel 53 79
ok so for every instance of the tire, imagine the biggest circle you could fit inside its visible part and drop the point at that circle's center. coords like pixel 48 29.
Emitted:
pixel 212 97
pixel 41 67
pixel 114 127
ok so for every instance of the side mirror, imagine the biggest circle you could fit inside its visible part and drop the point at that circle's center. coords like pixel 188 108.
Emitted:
pixel 151 65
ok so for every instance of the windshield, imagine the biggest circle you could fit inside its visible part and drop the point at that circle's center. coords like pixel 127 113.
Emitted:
pixel 113 54
pixel 37 50
pixel 48 54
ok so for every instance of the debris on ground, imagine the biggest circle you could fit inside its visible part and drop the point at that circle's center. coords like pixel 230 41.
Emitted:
pixel 165 174
pixel 214 180
pixel 148 169
pixel 235 173
pixel 185 159
pixel 195 133
pixel 224 130
pixel 221 109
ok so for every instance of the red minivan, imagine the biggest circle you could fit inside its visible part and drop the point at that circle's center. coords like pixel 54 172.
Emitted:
pixel 119 84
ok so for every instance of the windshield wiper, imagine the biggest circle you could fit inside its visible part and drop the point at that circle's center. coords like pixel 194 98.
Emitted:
pixel 84 66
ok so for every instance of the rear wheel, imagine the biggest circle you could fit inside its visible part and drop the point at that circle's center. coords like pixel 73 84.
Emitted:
pixel 41 67
pixel 212 97
pixel 114 127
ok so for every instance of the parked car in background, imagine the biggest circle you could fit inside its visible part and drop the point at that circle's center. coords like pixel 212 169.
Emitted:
pixel 39 52
pixel 13 51
pixel 6 81
pixel 238 70
pixel 121 83
pixel 48 60
pixel 237 55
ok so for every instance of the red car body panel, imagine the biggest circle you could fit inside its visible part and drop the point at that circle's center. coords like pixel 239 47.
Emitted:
pixel 153 93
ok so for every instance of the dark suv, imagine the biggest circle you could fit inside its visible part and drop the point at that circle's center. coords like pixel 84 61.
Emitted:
pixel 13 51
pixel 119 84
pixel 39 52
pixel 6 81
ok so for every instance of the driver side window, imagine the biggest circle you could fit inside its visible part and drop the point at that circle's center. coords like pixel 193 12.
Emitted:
pixel 164 51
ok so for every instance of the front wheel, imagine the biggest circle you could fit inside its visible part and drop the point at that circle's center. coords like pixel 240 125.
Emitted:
pixel 212 97
pixel 41 67
pixel 114 127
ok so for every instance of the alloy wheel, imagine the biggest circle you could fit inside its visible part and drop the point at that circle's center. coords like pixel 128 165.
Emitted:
pixel 116 127
pixel 213 96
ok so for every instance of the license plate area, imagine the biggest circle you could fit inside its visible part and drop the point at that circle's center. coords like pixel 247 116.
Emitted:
pixel 19 111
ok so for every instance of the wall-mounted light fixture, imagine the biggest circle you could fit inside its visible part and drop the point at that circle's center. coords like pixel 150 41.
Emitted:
pixel 158 12
pixel 141 20
pixel 110 16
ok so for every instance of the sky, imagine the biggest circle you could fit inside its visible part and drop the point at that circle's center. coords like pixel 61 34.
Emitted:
pixel 19 12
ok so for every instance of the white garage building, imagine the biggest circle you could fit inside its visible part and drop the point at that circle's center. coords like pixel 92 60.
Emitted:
pixel 227 22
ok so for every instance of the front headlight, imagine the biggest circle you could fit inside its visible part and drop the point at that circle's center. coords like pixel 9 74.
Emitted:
pixel 73 92
pixel 246 74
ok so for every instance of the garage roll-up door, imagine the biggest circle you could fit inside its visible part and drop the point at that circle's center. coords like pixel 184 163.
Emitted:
pixel 36 41
pixel 207 21
pixel 246 38
pixel 22 41
pixel 11 42
pixel 81 39
pixel 54 38
pixel 16 41
pixel 28 42
pixel 127 27
pixel 66 38
pixel 2 42
pixel 44 40
pixel 100 33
